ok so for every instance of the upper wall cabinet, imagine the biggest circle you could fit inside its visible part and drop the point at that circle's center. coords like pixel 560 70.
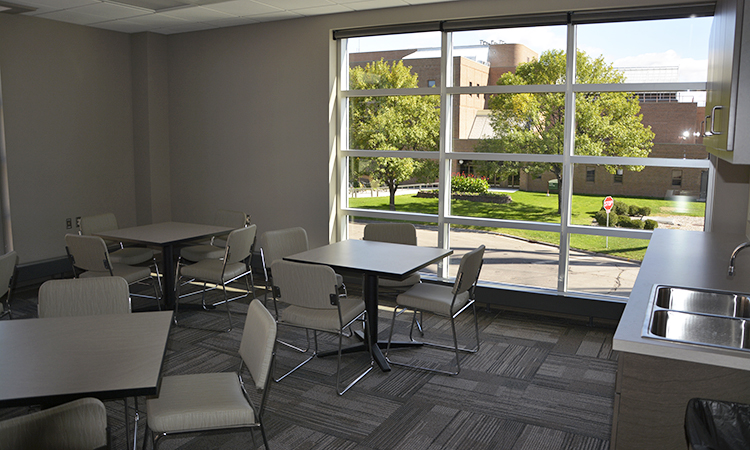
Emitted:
pixel 727 122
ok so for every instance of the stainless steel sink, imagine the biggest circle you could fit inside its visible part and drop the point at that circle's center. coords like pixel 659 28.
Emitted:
pixel 703 301
pixel 699 316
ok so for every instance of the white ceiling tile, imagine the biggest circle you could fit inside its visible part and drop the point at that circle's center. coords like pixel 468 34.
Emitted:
pixel 320 10
pixel 295 4
pixel 281 15
pixel 232 21
pixel 57 4
pixel 185 28
pixel 242 8
pixel 153 21
pixel 376 4
pixel 196 14
pixel 122 26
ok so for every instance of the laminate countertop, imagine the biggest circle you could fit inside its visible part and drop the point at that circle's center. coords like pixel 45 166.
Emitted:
pixel 687 259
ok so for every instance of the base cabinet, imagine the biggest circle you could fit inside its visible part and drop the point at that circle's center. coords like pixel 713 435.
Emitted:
pixel 651 395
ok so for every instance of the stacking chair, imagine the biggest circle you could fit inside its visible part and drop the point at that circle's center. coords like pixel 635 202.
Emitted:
pixel 314 303
pixel 90 258
pixel 118 253
pixel 220 272
pixel 77 425
pixel 84 297
pixel 214 248
pixel 446 301
pixel 216 401
pixel 8 263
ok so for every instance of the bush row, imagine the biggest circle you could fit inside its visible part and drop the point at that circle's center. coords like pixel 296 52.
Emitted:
pixel 624 221
pixel 623 209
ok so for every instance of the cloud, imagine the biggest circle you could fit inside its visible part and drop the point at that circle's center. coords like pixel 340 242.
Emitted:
pixel 690 69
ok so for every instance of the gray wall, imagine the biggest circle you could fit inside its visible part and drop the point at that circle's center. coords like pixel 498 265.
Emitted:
pixel 174 127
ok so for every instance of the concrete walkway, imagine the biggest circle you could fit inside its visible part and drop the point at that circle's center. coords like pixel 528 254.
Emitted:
pixel 519 262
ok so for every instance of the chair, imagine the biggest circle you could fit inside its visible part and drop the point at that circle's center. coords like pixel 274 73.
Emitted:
pixel 314 303
pixel 447 301
pixel 84 297
pixel 215 401
pixel 214 249
pixel 77 425
pixel 8 263
pixel 90 258
pixel 118 253
pixel 220 272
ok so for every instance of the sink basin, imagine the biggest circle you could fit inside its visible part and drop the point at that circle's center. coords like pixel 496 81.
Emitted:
pixel 701 301
pixel 700 329
pixel 699 316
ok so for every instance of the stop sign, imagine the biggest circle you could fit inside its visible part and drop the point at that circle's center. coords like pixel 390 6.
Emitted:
pixel 609 202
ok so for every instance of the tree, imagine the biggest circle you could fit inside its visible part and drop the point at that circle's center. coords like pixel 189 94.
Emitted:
pixel 607 123
pixel 407 122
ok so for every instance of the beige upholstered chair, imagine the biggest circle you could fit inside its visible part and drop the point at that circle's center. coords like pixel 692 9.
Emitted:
pixel 8 264
pixel 214 248
pixel 84 297
pixel 314 303
pixel 77 425
pixel 90 259
pixel 446 301
pixel 220 272
pixel 216 401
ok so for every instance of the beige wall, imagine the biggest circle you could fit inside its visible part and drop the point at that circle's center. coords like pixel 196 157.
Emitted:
pixel 245 122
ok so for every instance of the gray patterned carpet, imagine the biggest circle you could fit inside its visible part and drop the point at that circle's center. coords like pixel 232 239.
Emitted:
pixel 538 382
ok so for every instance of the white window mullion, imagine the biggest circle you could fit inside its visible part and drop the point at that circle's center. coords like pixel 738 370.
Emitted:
pixel 342 140
pixel 446 119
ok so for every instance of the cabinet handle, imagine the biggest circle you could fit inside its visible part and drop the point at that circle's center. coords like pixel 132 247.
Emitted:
pixel 713 114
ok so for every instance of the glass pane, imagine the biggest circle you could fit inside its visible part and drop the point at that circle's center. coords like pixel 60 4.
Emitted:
pixel 415 182
pixel 398 61
pixel 408 122
pixel 652 51
pixel 662 197
pixel 509 55
pixel 506 190
pixel 427 234
pixel 607 265
pixel 518 257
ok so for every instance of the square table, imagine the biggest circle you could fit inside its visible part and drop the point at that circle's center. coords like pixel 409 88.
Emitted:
pixel 59 359
pixel 165 235
pixel 373 259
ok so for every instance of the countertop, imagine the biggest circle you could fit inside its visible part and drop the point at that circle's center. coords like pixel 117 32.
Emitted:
pixel 690 259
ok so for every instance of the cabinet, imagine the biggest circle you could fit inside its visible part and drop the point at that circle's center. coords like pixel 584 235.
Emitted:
pixel 727 121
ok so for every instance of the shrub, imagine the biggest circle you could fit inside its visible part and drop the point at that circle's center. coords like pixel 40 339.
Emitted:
pixel 627 222
pixel 650 224
pixel 635 210
pixel 601 218
pixel 620 208
pixel 469 184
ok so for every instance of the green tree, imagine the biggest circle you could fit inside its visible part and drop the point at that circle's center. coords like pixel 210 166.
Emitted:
pixel 607 123
pixel 402 122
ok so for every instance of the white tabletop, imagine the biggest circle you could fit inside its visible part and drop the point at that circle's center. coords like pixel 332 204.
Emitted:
pixel 59 359
pixel 163 233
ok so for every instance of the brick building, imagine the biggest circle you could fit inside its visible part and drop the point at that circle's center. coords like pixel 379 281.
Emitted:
pixel 674 120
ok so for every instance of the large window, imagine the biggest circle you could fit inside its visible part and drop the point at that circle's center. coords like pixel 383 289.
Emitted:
pixel 512 136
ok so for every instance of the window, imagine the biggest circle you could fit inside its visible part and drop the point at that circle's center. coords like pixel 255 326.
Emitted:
pixel 514 153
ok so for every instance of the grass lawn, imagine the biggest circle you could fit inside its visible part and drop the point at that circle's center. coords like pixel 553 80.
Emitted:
pixel 538 207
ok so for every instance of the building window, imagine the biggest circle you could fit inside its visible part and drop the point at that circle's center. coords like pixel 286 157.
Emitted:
pixel 590 174
pixel 516 138
pixel 677 178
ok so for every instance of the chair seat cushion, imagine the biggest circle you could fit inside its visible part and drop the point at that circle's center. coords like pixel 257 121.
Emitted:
pixel 434 298
pixel 210 270
pixel 323 319
pixel 199 402
pixel 131 255
pixel 130 273
pixel 201 252
pixel 411 280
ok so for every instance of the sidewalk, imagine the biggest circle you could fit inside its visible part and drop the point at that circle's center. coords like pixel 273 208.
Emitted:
pixel 519 262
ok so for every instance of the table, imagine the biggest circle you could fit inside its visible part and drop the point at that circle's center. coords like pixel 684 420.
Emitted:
pixel 165 235
pixel 56 360
pixel 373 259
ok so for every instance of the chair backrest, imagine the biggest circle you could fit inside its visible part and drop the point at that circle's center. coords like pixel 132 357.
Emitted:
pixel 98 223
pixel 395 233
pixel 277 244
pixel 240 243
pixel 258 341
pixel 229 218
pixel 304 285
pixel 468 270
pixel 84 297
pixel 7 268
pixel 88 252
pixel 80 424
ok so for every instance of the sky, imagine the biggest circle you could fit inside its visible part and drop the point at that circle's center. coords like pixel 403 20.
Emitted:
pixel 654 43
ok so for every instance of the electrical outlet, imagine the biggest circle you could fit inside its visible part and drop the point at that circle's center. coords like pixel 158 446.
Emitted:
pixel 78 222
pixel 68 223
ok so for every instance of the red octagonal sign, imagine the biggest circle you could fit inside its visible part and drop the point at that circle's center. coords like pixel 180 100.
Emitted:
pixel 609 202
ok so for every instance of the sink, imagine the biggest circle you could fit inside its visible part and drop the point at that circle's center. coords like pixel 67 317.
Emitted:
pixel 699 316
pixel 703 301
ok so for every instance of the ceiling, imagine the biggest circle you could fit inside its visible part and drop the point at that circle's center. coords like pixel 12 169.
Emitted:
pixel 179 16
